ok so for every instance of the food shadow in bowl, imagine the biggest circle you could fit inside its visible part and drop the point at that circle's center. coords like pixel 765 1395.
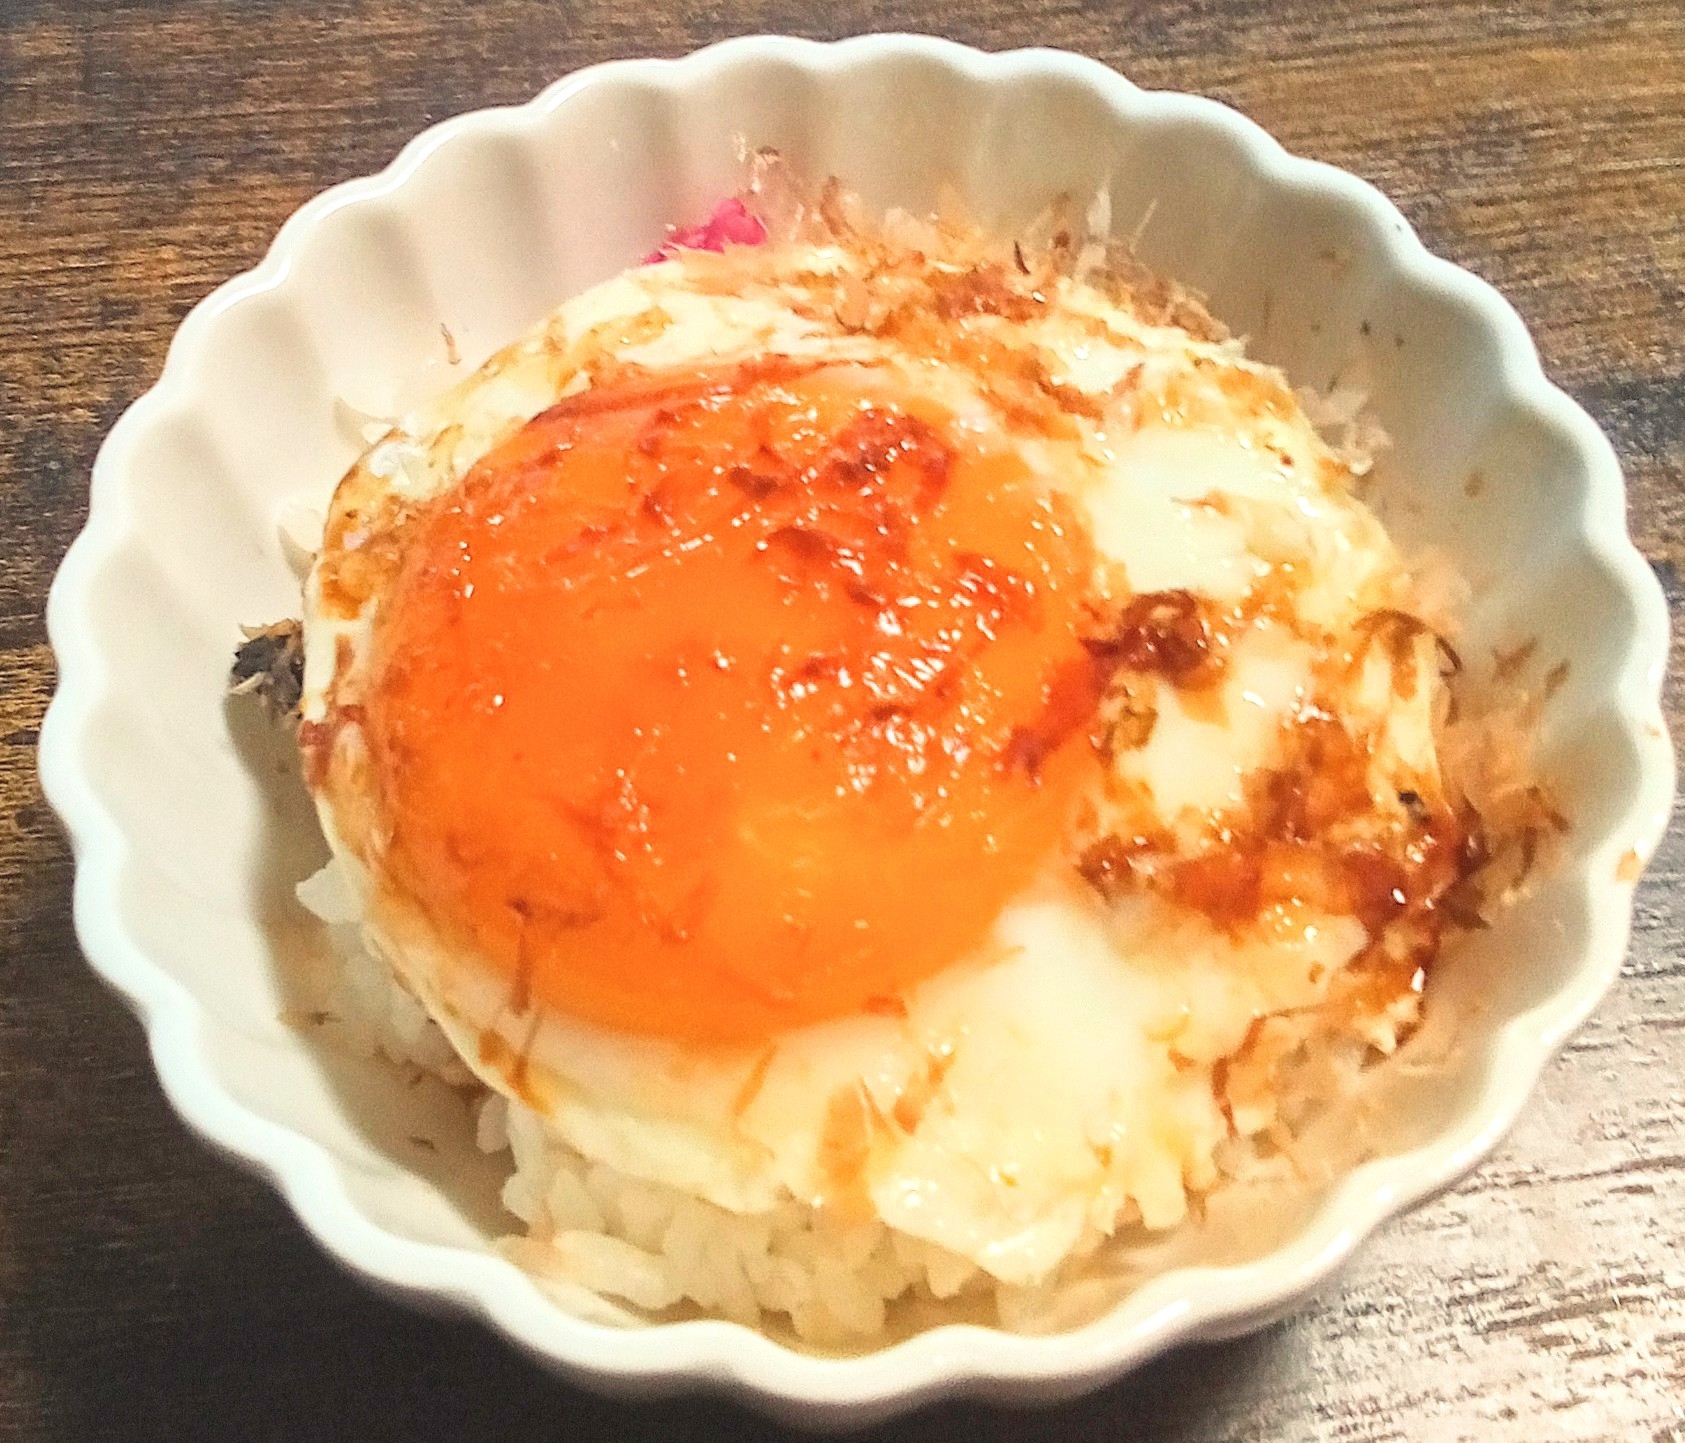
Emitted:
pixel 410 1118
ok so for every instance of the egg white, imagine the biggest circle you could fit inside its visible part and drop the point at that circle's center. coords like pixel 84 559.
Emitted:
pixel 1058 1085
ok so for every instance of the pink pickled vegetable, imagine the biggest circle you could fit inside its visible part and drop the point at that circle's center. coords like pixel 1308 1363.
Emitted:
pixel 730 224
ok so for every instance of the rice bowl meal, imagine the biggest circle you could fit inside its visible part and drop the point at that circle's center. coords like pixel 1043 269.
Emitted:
pixel 891 759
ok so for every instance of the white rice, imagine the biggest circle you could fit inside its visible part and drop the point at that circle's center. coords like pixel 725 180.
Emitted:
pixel 656 1247
pixel 829 1281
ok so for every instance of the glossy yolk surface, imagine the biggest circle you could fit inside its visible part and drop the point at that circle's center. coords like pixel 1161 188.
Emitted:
pixel 696 708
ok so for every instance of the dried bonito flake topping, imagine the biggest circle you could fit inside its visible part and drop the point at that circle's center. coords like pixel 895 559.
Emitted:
pixel 859 723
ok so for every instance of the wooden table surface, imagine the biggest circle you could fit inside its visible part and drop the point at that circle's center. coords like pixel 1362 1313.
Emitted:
pixel 150 150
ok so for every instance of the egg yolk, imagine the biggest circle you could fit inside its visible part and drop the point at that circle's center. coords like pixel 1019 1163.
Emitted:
pixel 696 709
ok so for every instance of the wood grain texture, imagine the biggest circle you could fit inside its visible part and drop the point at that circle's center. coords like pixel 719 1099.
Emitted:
pixel 149 151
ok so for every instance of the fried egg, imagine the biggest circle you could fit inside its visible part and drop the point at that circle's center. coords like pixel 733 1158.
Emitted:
pixel 888 723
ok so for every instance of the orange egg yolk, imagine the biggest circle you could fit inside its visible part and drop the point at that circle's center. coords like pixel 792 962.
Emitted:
pixel 696 708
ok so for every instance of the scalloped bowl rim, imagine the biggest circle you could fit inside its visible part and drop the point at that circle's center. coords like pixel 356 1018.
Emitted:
pixel 952 1359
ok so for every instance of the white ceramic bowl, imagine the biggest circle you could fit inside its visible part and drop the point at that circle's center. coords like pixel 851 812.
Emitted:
pixel 187 845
